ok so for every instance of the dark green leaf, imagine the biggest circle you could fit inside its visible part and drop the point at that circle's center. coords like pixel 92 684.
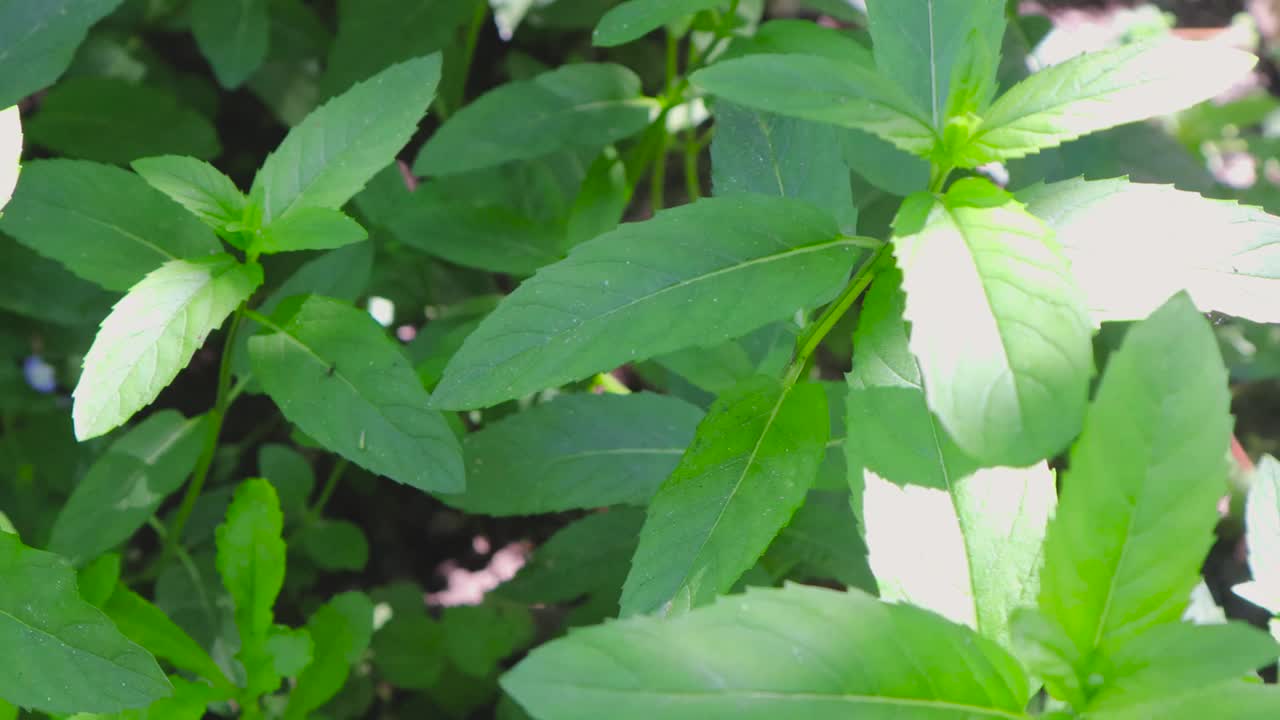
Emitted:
pixel 233 35
pixel 587 105
pixel 126 485
pixel 694 275
pixel 588 555
pixel 755 456
pixel 821 89
pixel 37 287
pixel 62 654
pixel 477 638
pixel 373 34
pixel 339 378
pixel 634 19
pixel 822 542
pixel 409 651
pixel 113 121
pixel 798 652
pixel 98 579
pixel 151 335
pixel 290 474
pixel 328 158
pixel 104 224
pixel 578 451
pixel 39 40
pixel 764 154
pixel 335 545
pixel 944 53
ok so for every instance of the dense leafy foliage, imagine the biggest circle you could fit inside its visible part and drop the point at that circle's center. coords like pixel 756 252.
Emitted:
pixel 872 430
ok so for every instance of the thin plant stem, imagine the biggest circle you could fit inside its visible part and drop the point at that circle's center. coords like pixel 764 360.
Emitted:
pixel 201 474
pixel 813 335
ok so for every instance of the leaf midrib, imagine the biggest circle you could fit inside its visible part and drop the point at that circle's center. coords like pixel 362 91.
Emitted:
pixel 852 698
pixel 793 252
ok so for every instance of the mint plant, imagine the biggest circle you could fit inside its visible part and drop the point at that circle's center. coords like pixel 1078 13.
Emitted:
pixel 1017 506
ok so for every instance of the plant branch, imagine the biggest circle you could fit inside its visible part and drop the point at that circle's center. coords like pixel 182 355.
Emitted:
pixel 222 400
pixel 813 335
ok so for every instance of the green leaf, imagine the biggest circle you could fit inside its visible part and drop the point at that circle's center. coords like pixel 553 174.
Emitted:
pixel 39 40
pixel 982 555
pixel 309 228
pixel 822 541
pixel 197 186
pixel 110 120
pixel 634 19
pixel 290 474
pixel 103 223
pixel 578 105
pixel 251 557
pixel 27 281
pixel 754 458
pixel 1173 658
pixel 341 380
pixel 650 288
pixel 438 220
pixel 997 324
pixel 373 34
pixel 847 655
pixel 1262 533
pixel 98 579
pixel 62 655
pixel 578 451
pixel 328 158
pixel 883 165
pixel 233 35
pixel 342 274
pixel 823 90
pixel 765 154
pixel 1144 477
pixel 1238 700
pixel 1099 90
pixel 588 555
pixel 341 630
pixel 126 485
pixel 152 333
pixel 335 545
pixel 10 152
pixel 409 651
pixel 147 625
pixel 803 37
pixel 980 559
pixel 1226 256
pixel 478 637
pixel 944 53
pixel 601 201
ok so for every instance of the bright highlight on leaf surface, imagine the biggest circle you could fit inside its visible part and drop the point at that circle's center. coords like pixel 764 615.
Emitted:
pixel 10 152
pixel 1100 90
pixel 152 333
pixel 1225 255
pixel 997 324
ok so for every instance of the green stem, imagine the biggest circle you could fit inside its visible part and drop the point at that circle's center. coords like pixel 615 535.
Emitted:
pixel 220 404
pixel 469 52
pixel 938 175
pixel 330 484
pixel 813 335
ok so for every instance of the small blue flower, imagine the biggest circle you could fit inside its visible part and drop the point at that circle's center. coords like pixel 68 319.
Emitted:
pixel 40 375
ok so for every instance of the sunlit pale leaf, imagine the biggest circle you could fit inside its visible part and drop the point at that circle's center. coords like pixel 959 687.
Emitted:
pixel 151 335
pixel 1225 255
